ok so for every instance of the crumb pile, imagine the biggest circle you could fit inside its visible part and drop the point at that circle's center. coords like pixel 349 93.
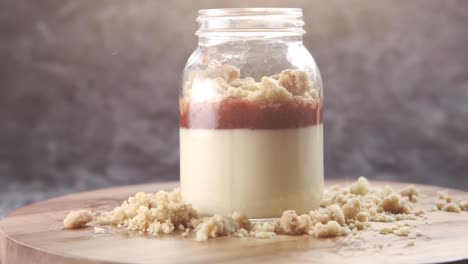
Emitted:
pixel 344 210
pixel 159 213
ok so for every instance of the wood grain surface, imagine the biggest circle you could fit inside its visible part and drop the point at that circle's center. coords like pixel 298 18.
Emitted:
pixel 34 234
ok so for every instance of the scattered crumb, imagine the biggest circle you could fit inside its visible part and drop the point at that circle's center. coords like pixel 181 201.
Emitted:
pixel 383 217
pixel 264 230
pixel 186 233
pixel 241 220
pixel 292 224
pixel 402 231
pixel 335 212
pixel 443 195
pixel 463 205
pixel 344 211
pixel 400 217
pixel 242 233
pixel 77 219
pixel 215 226
pixel 99 230
pixel 411 192
pixel 394 204
pixel 419 212
pixel 362 217
pixel 446 203
pixel 352 208
pixel 360 187
pixel 451 207
pixel 411 243
pixel 361 225
pixel 330 229
pixel 440 204
pixel 386 230
pixel 265 235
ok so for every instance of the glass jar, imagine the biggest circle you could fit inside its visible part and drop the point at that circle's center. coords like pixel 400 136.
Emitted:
pixel 251 133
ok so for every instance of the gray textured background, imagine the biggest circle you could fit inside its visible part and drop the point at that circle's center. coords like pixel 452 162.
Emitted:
pixel 88 90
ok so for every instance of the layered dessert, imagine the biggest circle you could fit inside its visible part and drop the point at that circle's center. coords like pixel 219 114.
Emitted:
pixel 250 146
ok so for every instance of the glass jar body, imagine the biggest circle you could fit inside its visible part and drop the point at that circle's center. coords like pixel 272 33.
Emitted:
pixel 251 133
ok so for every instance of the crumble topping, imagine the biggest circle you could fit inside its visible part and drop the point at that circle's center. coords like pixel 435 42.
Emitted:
pixel 222 81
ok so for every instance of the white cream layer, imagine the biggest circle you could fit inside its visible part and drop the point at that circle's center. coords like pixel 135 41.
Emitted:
pixel 258 172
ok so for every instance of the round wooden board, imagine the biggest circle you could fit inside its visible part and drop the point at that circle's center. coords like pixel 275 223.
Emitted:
pixel 34 234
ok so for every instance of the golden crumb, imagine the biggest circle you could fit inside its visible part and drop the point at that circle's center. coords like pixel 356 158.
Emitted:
pixel 77 219
pixel 186 233
pixel 411 243
pixel 241 220
pixel 360 187
pixel 386 230
pixel 443 195
pixel 362 217
pixel 264 230
pixel 383 217
pixel 264 235
pixel 451 207
pixel 352 208
pixel 402 231
pixel 446 203
pixel 361 225
pixel 463 205
pixel 242 233
pixel 394 204
pixel 411 192
pixel 292 224
pixel 440 204
pixel 215 226
pixel 99 230
pixel 335 212
pixel 330 229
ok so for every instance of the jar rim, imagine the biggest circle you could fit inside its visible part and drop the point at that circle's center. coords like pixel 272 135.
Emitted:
pixel 250 21
pixel 249 11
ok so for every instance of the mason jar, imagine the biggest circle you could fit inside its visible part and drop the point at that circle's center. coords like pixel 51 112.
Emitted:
pixel 251 126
